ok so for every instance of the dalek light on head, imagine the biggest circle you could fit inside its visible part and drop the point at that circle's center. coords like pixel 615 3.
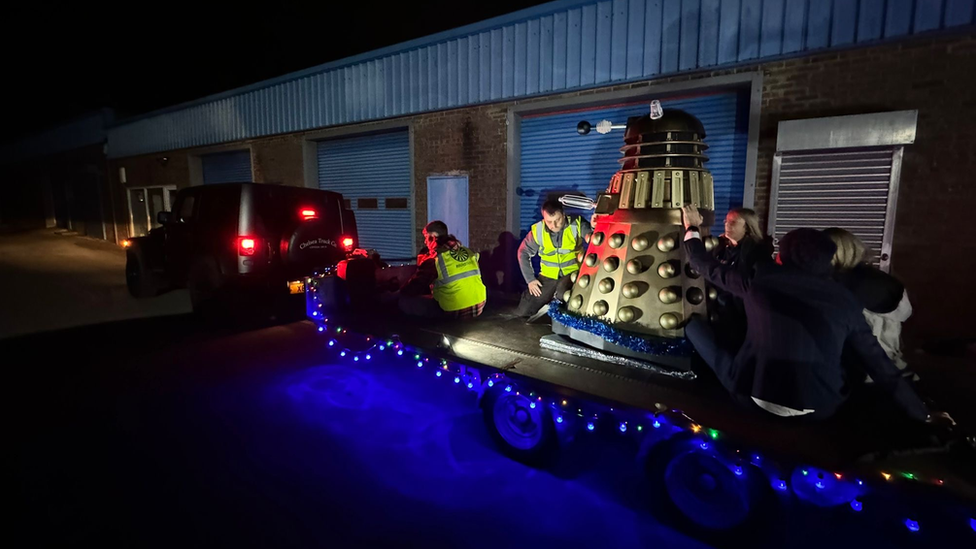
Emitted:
pixel 634 274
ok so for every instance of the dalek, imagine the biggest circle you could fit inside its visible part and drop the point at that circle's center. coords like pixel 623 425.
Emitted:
pixel 634 274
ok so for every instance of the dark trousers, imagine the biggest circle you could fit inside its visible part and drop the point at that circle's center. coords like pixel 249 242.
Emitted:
pixel 722 361
pixel 530 304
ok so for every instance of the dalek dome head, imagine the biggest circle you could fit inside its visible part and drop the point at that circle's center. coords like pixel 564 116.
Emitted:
pixel 639 128
pixel 676 139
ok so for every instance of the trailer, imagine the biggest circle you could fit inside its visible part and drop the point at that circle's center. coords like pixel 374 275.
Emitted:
pixel 710 464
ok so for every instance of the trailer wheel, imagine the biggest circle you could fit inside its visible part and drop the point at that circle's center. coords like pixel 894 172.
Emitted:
pixel 706 491
pixel 524 432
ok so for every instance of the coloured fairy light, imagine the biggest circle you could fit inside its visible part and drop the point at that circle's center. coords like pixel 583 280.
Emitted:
pixel 332 343
pixel 439 373
pixel 656 424
pixel 623 427
pixel 737 470
pixel 713 433
pixel 532 405
pixel 470 385
pixel 590 426
pixel 491 383
pixel 912 525
pixel 321 329
pixel 856 505
pixel 780 485
pixel 420 364
pixel 457 379
pixel 400 352
pixel 508 388
pixel 559 419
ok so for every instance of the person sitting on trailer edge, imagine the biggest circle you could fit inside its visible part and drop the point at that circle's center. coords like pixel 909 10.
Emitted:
pixel 448 281
pixel 556 240
pixel 798 324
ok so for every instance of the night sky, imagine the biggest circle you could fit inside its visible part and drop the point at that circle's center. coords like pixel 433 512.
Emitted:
pixel 65 60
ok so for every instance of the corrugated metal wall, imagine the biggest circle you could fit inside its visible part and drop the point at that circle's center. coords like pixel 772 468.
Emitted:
pixel 369 171
pixel 554 157
pixel 573 46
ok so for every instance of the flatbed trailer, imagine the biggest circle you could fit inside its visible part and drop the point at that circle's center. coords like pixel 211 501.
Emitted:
pixel 716 462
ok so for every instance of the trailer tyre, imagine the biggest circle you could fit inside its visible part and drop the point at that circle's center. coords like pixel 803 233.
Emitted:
pixel 700 491
pixel 524 432
pixel 706 491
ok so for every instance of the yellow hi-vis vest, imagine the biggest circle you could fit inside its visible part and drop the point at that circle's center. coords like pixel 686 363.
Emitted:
pixel 458 285
pixel 557 262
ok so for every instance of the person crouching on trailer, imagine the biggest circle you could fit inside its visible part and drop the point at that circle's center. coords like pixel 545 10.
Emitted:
pixel 798 324
pixel 448 281
pixel 556 240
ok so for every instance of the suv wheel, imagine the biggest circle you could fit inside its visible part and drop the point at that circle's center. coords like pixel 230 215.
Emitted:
pixel 204 283
pixel 139 278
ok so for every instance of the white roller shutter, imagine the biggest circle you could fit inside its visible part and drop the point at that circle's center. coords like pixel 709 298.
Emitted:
pixel 853 189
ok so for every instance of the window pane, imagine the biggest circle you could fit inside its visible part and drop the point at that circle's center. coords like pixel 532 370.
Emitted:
pixel 137 205
pixel 156 205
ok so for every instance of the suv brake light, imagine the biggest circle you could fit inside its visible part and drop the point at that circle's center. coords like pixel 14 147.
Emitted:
pixel 308 213
pixel 246 245
pixel 347 243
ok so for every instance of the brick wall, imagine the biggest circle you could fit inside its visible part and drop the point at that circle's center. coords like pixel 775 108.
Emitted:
pixel 471 142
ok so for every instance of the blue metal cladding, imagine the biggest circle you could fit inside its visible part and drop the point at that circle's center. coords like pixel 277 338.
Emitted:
pixel 555 158
pixel 227 167
pixel 556 47
pixel 373 168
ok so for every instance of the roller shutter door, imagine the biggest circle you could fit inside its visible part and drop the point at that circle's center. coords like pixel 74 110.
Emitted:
pixel 227 167
pixel 373 174
pixel 842 188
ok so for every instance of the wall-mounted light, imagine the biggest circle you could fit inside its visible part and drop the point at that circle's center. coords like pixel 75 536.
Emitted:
pixel 162 160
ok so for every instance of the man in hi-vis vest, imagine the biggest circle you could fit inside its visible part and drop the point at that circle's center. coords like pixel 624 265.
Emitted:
pixel 556 240
pixel 448 280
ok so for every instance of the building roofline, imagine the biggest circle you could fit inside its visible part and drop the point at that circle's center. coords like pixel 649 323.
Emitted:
pixel 480 26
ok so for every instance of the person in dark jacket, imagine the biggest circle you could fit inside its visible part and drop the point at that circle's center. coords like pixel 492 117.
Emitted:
pixel 742 247
pixel 799 322
pixel 743 244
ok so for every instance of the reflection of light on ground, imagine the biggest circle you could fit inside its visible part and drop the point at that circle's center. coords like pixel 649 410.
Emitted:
pixel 422 437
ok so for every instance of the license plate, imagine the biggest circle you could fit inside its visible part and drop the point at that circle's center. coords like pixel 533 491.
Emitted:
pixel 296 287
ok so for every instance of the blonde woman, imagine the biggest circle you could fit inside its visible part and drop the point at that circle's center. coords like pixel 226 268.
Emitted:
pixel 743 244
pixel 883 297
pixel 742 247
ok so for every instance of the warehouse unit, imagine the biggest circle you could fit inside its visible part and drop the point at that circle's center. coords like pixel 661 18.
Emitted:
pixel 482 119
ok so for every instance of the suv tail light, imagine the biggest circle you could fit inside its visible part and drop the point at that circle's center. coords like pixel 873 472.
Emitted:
pixel 308 213
pixel 246 245
pixel 347 243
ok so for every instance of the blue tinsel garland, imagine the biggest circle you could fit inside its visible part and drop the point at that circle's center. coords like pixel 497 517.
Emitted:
pixel 648 345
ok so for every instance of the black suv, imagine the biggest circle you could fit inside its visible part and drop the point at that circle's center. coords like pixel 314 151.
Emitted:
pixel 231 242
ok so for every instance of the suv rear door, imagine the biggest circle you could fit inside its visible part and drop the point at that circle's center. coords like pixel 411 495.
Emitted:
pixel 306 224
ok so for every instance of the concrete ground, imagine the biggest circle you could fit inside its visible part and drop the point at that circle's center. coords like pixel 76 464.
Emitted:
pixel 50 282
